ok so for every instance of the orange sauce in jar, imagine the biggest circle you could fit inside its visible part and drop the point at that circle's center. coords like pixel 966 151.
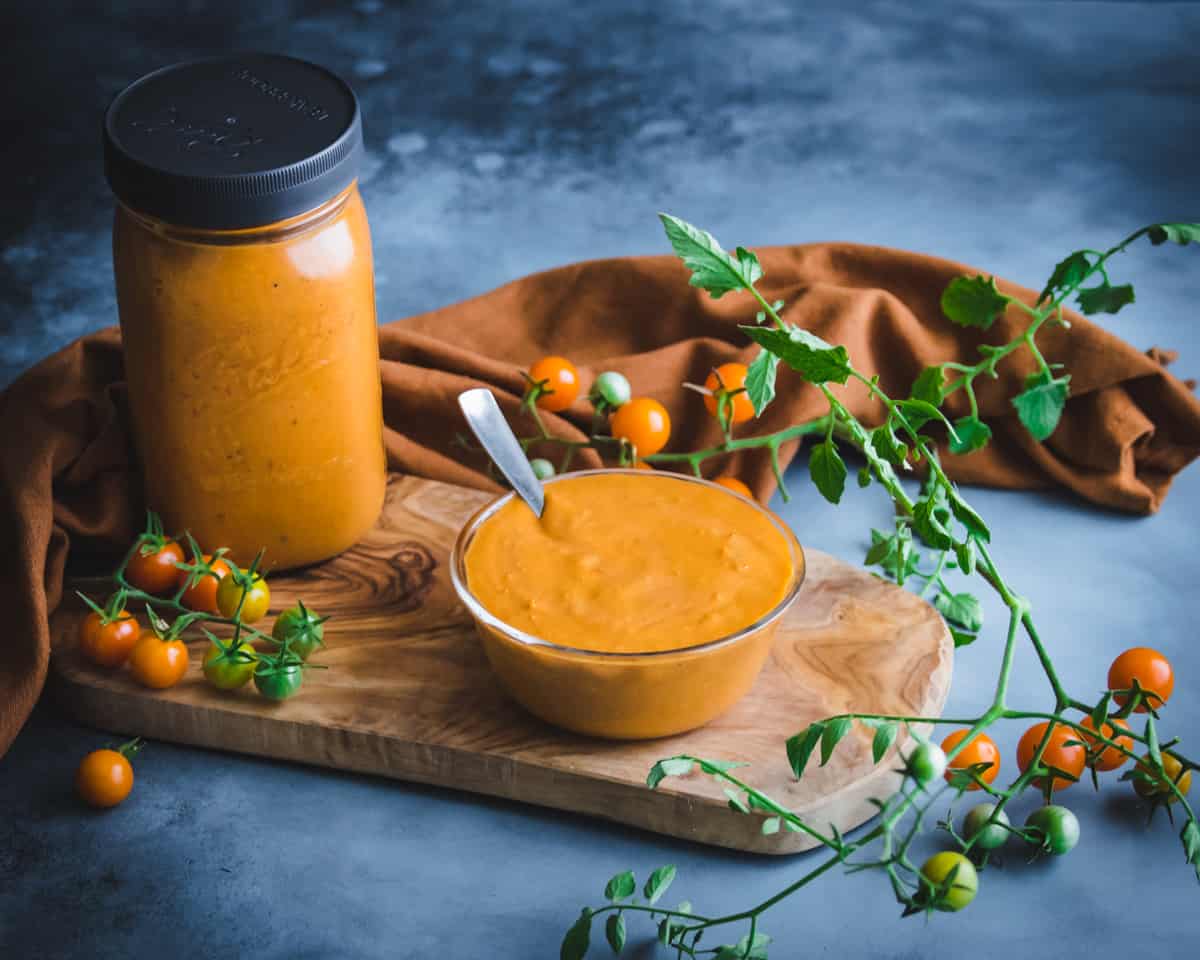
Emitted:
pixel 252 360
pixel 243 268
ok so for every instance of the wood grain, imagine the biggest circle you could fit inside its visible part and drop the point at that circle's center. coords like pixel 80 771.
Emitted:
pixel 409 694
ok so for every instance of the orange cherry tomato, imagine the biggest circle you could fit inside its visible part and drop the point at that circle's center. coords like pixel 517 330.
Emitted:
pixel 643 465
pixel 104 778
pixel 158 663
pixel 202 595
pixel 562 382
pixel 1108 758
pixel 731 376
pixel 736 485
pixel 1151 670
pixel 981 749
pixel 1067 757
pixel 108 644
pixel 154 571
pixel 644 423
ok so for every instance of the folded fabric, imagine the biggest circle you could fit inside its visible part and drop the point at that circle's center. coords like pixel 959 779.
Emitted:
pixel 69 480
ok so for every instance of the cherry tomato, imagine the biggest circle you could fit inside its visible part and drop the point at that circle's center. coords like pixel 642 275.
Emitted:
pixel 279 682
pixel 730 377
pixel 963 887
pixel 300 629
pixel 609 391
pixel 1053 829
pixel 1067 757
pixel 158 663
pixel 152 566
pixel 258 598
pixel 926 763
pixel 228 669
pixel 542 469
pixel 1157 789
pixel 1108 758
pixel 108 644
pixel 644 423
pixel 985 834
pixel 203 594
pixel 981 749
pixel 643 465
pixel 736 485
pixel 1151 670
pixel 105 777
pixel 562 382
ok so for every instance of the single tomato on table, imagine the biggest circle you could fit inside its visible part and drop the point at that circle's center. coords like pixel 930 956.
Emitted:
pixel 559 379
pixel 105 777
pixel 1064 751
pixel 644 423
pixel 730 378
pixel 981 749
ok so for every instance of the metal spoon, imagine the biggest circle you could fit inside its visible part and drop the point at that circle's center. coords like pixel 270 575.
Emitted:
pixel 489 426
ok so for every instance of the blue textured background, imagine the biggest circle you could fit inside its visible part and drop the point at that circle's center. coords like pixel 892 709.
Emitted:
pixel 508 137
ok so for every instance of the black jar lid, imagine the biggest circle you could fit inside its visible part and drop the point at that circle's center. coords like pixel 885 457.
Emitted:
pixel 232 142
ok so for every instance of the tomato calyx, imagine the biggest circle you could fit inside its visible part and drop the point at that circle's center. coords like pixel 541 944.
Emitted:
pixel 235 650
pixel 113 609
pixel 1136 699
pixel 299 631
pixel 610 391
pixel 129 749
pixel 153 538
pixel 202 565
pixel 170 632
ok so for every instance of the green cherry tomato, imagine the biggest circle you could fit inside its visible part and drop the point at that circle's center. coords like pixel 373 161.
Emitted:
pixel 300 629
pixel 963 887
pixel 279 683
pixel 542 469
pixel 610 389
pixel 987 836
pixel 1056 827
pixel 927 763
pixel 229 595
pixel 229 669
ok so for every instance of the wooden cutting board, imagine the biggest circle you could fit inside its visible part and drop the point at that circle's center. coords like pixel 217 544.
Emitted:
pixel 410 695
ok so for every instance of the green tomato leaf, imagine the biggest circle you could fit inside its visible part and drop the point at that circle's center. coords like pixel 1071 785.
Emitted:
pixel 671 767
pixel 1041 404
pixel 964 553
pixel 810 356
pixel 1099 712
pixel 920 412
pixel 929 526
pixel 713 269
pixel 929 385
pixel 962 609
pixel 760 380
pixel 620 887
pixel 1152 747
pixel 801 746
pixel 885 736
pixel 887 445
pixel 658 883
pixel 1067 274
pixel 770 825
pixel 973 301
pixel 1190 835
pixel 962 638
pixel 832 735
pixel 745 949
pixel 720 766
pixel 972 434
pixel 614 930
pixel 735 800
pixel 1104 298
pixel 1181 233
pixel 864 477
pixel 965 515
pixel 828 471
pixel 882 547
pixel 575 943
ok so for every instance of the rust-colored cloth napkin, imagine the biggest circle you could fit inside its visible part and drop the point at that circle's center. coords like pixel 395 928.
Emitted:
pixel 68 478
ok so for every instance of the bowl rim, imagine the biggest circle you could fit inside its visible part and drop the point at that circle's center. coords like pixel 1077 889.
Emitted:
pixel 477 610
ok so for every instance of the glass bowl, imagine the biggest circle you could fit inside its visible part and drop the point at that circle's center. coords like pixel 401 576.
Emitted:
pixel 624 696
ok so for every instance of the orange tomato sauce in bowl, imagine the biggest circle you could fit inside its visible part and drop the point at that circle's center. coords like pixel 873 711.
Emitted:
pixel 639 605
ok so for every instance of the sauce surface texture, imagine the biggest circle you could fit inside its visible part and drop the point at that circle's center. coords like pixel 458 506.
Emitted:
pixel 630 564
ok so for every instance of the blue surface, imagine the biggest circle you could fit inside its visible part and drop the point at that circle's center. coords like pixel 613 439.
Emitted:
pixel 508 138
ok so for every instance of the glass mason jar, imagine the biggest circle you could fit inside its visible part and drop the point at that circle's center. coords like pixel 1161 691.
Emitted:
pixel 242 259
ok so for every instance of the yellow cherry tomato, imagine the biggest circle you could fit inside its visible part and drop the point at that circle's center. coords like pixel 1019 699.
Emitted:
pixel 258 598
pixel 966 881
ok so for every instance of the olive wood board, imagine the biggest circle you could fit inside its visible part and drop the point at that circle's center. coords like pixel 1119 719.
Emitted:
pixel 409 694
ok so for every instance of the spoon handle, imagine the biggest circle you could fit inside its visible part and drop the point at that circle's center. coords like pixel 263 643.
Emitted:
pixel 492 430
